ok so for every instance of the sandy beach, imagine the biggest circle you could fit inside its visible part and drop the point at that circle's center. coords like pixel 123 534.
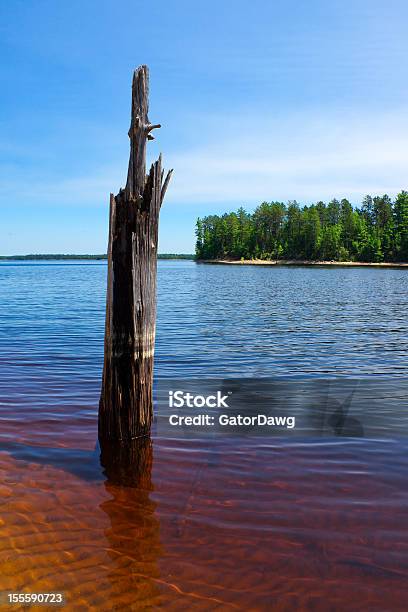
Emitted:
pixel 296 262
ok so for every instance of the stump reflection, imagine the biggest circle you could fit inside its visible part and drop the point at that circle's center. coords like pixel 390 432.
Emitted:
pixel 134 532
pixel 128 464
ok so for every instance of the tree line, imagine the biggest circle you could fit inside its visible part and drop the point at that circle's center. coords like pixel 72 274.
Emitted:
pixel 62 256
pixel 375 232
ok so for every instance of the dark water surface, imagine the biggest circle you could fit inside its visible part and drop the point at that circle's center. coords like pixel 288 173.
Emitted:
pixel 218 523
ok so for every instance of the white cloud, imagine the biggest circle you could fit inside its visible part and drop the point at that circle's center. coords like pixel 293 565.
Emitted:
pixel 93 188
pixel 331 156
pixel 238 159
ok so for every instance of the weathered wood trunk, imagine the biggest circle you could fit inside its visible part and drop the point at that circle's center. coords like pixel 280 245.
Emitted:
pixel 128 464
pixel 125 408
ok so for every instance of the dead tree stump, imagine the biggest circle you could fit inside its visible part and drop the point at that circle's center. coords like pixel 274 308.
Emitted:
pixel 126 407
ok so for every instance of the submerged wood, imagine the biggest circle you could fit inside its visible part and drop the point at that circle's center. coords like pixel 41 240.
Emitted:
pixel 128 464
pixel 125 407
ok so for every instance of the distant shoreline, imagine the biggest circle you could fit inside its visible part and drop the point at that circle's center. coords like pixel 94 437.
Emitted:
pixel 63 257
pixel 295 262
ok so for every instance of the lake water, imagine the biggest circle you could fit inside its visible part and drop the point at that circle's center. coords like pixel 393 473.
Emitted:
pixel 219 523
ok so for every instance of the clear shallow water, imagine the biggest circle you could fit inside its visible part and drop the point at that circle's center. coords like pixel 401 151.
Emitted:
pixel 232 523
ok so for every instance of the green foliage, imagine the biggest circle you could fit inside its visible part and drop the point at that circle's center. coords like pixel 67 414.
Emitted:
pixel 401 225
pixel 376 232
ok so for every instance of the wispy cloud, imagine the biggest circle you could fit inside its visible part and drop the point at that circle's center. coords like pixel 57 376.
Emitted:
pixel 237 160
pixel 328 156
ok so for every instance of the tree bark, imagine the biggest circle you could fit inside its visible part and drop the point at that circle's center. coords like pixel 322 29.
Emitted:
pixel 125 407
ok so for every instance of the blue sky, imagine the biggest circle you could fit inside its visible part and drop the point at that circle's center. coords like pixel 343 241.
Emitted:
pixel 258 101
